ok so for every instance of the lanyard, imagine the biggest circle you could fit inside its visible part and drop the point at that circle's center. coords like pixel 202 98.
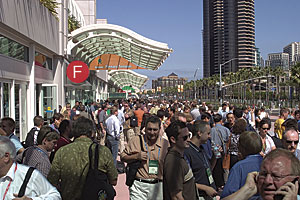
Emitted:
pixel 7 188
pixel 205 161
pixel 148 151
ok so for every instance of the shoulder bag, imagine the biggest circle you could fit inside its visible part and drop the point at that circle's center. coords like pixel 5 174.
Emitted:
pixel 132 168
pixel 96 186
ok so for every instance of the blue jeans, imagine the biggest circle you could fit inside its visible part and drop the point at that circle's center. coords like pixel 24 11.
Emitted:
pixel 114 147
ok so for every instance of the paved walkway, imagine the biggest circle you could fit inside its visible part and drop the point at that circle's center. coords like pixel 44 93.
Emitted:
pixel 121 188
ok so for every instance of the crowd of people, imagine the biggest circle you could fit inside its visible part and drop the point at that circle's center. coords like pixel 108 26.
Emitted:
pixel 172 150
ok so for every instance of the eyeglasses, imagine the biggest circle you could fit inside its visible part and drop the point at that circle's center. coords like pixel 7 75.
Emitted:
pixel 265 129
pixel 263 175
pixel 185 137
pixel 290 142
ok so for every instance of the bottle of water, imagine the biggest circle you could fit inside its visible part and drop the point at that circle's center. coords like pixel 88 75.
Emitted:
pixel 216 150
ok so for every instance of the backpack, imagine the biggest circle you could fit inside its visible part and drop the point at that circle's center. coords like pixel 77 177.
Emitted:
pixel 134 121
pixel 96 185
pixel 29 141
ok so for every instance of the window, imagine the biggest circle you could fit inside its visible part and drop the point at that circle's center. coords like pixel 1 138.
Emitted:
pixel 13 49
pixel 43 61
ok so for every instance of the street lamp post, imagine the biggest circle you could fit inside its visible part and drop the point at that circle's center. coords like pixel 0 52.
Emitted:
pixel 220 83
pixel 195 83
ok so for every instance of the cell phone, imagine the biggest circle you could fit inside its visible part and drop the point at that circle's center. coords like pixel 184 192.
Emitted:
pixel 296 179
pixel 280 196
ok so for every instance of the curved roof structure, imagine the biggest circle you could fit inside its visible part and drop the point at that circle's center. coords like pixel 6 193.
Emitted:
pixel 90 42
pixel 127 78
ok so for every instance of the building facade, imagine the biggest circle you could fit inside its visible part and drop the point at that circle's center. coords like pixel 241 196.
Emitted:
pixel 228 33
pixel 170 81
pixel 292 49
pixel 278 60
pixel 33 62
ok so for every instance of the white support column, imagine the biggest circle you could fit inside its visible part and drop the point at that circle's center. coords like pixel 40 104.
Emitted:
pixel 31 105
pixel 12 100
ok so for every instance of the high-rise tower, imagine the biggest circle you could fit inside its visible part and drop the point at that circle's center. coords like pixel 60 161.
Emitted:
pixel 228 32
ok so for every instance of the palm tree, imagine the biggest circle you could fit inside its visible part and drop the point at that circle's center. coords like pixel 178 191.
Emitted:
pixel 295 77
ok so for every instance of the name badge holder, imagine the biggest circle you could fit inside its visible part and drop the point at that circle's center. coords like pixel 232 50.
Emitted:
pixel 153 164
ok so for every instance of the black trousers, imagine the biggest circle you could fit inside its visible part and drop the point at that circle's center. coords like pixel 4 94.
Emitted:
pixel 218 173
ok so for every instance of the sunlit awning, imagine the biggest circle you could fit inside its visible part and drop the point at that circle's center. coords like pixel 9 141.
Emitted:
pixel 90 42
pixel 124 78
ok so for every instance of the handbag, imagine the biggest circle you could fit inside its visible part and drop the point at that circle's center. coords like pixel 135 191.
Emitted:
pixel 226 160
pixel 96 186
pixel 132 168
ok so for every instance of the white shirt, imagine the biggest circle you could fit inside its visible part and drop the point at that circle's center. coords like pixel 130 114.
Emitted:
pixel 269 145
pixel 38 187
pixel 113 126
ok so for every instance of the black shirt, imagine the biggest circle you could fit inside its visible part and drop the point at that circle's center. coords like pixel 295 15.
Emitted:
pixel 199 162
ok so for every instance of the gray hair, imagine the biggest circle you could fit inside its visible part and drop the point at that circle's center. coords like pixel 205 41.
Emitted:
pixel 6 146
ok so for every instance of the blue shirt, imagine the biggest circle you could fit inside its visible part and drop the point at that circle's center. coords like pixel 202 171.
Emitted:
pixel 16 141
pixel 238 173
pixel 207 148
pixel 220 135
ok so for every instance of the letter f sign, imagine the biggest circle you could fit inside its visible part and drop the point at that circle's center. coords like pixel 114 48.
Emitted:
pixel 77 71
pixel 74 70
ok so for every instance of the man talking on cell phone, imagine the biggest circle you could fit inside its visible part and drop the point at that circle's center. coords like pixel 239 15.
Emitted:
pixel 278 178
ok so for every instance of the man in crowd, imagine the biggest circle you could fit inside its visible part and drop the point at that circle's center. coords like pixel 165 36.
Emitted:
pixel 102 118
pixel 139 114
pixel 113 132
pixel 219 136
pixel 199 162
pixel 12 176
pixel 148 181
pixel 128 130
pixel 38 156
pixel 31 138
pixel 277 179
pixel 290 140
pixel 195 111
pixel 229 121
pixel 71 162
pixel 178 179
pixel 65 129
pixel 278 129
pixel 223 112
pixel 56 119
pixel 249 146
pixel 8 125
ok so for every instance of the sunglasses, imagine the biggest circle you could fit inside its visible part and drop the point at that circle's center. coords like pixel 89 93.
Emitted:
pixel 265 129
pixel 185 137
pixel 152 129
pixel 290 142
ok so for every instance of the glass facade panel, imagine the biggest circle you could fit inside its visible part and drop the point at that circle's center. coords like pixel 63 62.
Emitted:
pixel 13 49
pixel 43 61
pixel 17 109
pixel 48 101
pixel 6 99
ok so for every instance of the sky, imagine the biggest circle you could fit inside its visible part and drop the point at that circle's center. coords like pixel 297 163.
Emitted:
pixel 179 24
